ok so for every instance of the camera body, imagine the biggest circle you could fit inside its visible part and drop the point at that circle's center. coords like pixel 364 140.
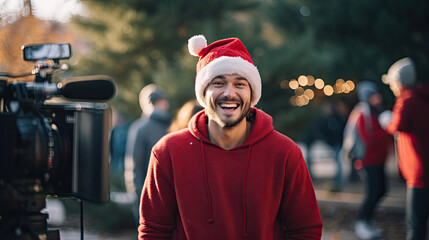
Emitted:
pixel 62 149
pixel 50 147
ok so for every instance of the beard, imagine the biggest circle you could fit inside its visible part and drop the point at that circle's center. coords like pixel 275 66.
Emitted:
pixel 227 123
pixel 245 111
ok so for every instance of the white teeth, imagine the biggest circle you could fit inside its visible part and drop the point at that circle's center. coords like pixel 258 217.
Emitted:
pixel 228 105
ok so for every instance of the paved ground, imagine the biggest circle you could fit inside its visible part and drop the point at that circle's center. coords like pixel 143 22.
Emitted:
pixel 339 210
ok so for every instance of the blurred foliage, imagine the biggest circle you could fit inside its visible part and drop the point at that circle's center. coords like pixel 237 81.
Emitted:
pixel 142 42
pixel 147 42
pixel 138 42
pixel 27 30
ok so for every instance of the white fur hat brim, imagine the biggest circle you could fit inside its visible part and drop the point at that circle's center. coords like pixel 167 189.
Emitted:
pixel 403 71
pixel 228 65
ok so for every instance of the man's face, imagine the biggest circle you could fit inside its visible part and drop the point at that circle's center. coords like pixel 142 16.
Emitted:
pixel 228 99
pixel 376 100
pixel 162 104
pixel 396 88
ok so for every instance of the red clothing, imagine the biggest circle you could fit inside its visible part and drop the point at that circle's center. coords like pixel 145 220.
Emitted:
pixel 377 142
pixel 196 190
pixel 411 119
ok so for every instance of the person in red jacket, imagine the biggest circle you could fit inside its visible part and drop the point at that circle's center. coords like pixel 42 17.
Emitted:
pixel 409 124
pixel 377 148
pixel 229 175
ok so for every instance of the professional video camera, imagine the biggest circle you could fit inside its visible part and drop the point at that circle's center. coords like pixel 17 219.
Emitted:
pixel 48 148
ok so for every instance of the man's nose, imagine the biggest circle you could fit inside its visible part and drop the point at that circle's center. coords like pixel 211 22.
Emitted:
pixel 229 90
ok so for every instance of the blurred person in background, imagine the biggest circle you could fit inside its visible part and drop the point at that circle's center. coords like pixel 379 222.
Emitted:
pixel 185 113
pixel 118 141
pixel 377 146
pixel 147 108
pixel 329 128
pixel 230 175
pixel 142 136
pixel 410 125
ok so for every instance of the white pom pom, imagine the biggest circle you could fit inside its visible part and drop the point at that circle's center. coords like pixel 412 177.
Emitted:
pixel 196 44
pixel 384 118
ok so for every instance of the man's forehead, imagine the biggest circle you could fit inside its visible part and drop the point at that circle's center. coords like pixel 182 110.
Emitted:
pixel 230 76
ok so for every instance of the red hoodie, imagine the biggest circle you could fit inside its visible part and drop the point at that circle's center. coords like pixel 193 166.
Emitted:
pixel 260 190
pixel 411 120
pixel 377 142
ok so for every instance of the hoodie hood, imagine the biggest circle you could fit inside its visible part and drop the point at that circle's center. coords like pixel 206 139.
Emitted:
pixel 262 125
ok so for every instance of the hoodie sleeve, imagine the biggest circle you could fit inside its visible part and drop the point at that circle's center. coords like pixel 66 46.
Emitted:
pixel 158 208
pixel 399 120
pixel 299 209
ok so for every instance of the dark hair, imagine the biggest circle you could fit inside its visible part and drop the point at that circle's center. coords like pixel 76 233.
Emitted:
pixel 156 95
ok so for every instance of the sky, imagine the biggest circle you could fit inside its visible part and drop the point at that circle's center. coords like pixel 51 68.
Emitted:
pixel 59 10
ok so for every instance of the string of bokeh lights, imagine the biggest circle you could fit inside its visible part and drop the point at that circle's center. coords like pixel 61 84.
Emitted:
pixel 304 92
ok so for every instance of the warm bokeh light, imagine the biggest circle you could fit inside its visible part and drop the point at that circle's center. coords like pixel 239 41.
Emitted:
pixel 319 83
pixel 292 100
pixel 299 101
pixel 293 84
pixel 284 84
pixel 306 100
pixel 310 80
pixel 351 85
pixel 338 88
pixel 302 101
pixel 328 90
pixel 345 88
pixel 309 93
pixel 299 91
pixel 302 80
pixel 303 96
pixel 340 81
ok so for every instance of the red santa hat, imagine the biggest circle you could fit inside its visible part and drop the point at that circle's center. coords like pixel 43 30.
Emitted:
pixel 226 56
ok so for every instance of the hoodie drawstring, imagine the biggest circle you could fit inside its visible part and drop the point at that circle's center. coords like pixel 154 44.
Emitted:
pixel 211 220
pixel 244 193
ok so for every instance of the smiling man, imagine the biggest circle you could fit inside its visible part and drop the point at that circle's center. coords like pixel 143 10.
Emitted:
pixel 230 175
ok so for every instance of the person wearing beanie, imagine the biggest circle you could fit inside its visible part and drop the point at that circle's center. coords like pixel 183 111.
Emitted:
pixel 142 135
pixel 409 125
pixel 229 175
pixel 363 126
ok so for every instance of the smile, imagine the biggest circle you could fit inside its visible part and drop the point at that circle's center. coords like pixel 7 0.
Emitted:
pixel 229 106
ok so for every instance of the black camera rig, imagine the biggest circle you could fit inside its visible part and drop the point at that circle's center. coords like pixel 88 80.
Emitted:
pixel 51 148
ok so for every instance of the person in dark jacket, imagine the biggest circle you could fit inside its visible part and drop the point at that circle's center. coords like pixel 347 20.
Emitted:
pixel 229 175
pixel 329 128
pixel 147 108
pixel 147 136
pixel 410 125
